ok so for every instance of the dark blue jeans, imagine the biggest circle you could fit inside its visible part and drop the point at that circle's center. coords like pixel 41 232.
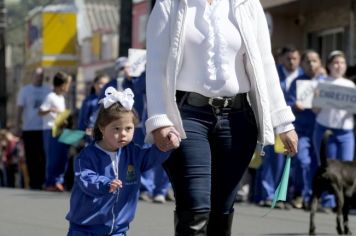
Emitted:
pixel 207 167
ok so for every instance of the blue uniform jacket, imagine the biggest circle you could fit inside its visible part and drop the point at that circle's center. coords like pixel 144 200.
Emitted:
pixel 87 111
pixel 304 120
pixel 283 76
pixel 92 207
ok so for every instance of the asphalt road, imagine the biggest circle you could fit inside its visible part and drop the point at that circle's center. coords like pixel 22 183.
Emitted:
pixel 38 213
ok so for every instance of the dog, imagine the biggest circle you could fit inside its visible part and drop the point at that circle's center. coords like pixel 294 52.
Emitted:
pixel 339 178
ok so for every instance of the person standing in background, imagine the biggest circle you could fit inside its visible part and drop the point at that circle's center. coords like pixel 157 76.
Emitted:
pixel 289 68
pixel 341 144
pixel 305 163
pixel 30 127
pixel 90 105
pixel 271 169
pixel 56 152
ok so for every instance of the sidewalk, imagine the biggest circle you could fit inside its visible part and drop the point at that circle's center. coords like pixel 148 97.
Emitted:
pixel 37 213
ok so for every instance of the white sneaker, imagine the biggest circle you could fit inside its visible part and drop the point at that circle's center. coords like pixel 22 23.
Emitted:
pixel 145 197
pixel 159 199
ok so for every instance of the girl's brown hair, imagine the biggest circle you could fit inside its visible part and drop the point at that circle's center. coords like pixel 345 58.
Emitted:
pixel 108 115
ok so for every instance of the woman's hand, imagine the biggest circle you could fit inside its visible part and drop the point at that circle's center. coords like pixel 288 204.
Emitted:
pixel 166 138
pixel 290 142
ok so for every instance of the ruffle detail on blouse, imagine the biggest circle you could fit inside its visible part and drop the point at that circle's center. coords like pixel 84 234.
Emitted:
pixel 216 45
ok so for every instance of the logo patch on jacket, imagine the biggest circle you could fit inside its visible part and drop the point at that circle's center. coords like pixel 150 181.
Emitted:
pixel 131 177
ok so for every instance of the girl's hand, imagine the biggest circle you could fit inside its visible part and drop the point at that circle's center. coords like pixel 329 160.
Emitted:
pixel 299 106
pixel 166 138
pixel 174 138
pixel 114 185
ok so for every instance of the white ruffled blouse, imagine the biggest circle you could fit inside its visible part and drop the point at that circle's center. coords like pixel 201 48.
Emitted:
pixel 213 51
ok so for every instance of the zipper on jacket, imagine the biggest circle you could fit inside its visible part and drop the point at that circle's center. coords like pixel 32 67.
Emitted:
pixel 113 213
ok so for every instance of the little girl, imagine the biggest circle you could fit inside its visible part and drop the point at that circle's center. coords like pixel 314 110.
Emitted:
pixel 107 172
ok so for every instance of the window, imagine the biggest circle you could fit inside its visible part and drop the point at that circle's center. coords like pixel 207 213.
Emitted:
pixel 326 41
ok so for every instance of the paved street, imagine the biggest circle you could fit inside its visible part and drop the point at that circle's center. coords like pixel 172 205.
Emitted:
pixel 36 213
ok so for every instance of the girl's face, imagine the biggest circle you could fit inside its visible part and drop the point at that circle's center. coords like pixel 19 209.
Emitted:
pixel 337 67
pixel 311 64
pixel 118 133
pixel 98 85
pixel 64 88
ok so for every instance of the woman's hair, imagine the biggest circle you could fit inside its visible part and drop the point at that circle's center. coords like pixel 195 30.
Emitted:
pixel 108 115
pixel 334 54
pixel 60 78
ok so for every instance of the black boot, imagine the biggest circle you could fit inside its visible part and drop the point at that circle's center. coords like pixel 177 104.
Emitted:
pixel 220 225
pixel 190 223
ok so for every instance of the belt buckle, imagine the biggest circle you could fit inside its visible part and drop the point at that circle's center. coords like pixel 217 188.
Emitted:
pixel 219 102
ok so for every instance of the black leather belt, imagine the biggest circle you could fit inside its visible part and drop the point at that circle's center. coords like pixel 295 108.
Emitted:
pixel 195 99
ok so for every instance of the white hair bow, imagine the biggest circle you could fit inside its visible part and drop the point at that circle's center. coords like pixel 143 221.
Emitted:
pixel 112 96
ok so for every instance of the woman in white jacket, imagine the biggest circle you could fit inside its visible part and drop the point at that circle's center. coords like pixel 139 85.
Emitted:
pixel 212 77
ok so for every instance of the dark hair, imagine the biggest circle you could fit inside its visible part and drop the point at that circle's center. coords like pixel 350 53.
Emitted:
pixel 307 52
pixel 287 49
pixel 95 80
pixel 60 78
pixel 107 115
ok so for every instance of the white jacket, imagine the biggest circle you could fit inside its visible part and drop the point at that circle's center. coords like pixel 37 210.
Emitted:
pixel 165 42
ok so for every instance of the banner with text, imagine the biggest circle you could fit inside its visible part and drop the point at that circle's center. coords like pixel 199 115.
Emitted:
pixel 334 96
pixel 325 95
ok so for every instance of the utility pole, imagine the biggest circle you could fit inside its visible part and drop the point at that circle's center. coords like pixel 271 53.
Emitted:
pixel 3 90
pixel 125 27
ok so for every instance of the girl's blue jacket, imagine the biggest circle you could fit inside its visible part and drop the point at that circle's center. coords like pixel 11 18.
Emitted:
pixel 92 207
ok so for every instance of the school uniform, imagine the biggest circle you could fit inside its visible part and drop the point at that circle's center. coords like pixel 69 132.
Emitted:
pixel 341 144
pixel 305 162
pixel 93 209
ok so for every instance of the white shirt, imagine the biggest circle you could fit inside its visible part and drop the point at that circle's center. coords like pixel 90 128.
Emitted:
pixel 213 52
pixel 52 101
pixel 290 77
pixel 30 98
pixel 115 158
pixel 165 56
pixel 337 118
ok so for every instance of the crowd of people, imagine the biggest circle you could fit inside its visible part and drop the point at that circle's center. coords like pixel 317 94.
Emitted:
pixel 163 131
pixel 310 125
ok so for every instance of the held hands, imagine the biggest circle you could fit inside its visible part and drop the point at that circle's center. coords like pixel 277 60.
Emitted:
pixel 166 138
pixel 114 185
pixel 290 142
pixel 299 106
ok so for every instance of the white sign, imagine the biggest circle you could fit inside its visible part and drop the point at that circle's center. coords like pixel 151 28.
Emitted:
pixel 305 92
pixel 137 61
pixel 334 96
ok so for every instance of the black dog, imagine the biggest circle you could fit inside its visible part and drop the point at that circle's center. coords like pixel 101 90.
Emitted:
pixel 339 178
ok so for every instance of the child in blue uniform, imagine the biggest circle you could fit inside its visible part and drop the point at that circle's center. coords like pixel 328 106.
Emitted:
pixel 107 172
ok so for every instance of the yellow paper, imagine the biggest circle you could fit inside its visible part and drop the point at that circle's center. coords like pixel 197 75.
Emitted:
pixel 256 160
pixel 278 145
pixel 59 121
